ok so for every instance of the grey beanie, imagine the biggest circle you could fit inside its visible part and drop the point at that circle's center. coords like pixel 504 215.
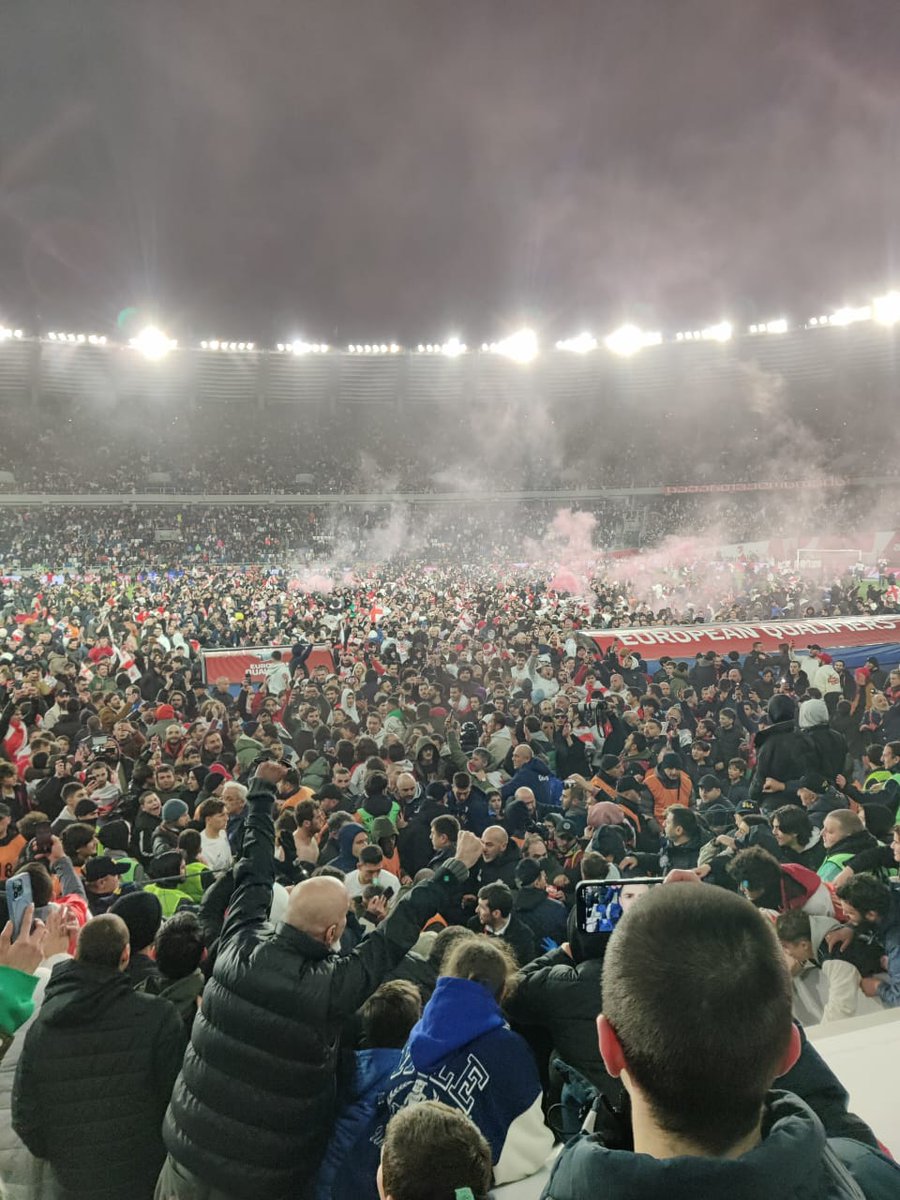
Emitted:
pixel 813 712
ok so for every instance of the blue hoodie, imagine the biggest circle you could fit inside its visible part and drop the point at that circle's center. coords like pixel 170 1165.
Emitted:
pixel 463 1053
pixel 351 1161
pixel 347 834
pixel 535 774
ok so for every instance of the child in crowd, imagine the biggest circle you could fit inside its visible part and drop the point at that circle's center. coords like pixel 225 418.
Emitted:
pixel 433 1152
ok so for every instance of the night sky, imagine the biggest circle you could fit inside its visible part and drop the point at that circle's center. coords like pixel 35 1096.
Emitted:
pixel 406 168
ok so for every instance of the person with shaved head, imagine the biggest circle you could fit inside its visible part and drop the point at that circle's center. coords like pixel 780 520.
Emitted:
pixel 499 858
pixel 254 1105
pixel 111 1055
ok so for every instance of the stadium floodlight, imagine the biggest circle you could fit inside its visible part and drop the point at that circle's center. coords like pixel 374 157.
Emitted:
pixel 779 325
pixel 153 343
pixel 628 340
pixel 521 346
pixel 886 309
pixel 453 347
pixel 718 333
pixel 582 343
pixel 848 316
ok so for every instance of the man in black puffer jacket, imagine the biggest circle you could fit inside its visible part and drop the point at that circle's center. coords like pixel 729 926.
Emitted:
pixel 115 1050
pixel 782 756
pixel 560 992
pixel 254 1104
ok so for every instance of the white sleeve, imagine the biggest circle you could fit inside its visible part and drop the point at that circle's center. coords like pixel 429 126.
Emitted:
pixel 843 990
pixel 819 904
pixel 527 1146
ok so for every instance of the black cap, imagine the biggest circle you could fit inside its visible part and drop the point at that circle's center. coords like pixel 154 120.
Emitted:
pixel 567 829
pixel 102 865
pixel 709 781
pixel 813 782
pixel 747 808
pixel 528 872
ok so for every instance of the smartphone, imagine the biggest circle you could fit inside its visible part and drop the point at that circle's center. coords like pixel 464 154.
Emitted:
pixel 599 903
pixel 43 838
pixel 99 743
pixel 18 898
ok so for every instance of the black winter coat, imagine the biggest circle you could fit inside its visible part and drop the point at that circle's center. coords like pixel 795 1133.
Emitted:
pixel 254 1104
pixel 571 760
pixel 827 750
pixel 546 918
pixel 414 842
pixel 501 869
pixel 782 753
pixel 517 936
pixel 118 1052
pixel 565 998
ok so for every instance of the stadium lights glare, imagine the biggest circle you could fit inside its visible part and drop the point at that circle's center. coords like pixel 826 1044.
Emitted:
pixel 298 347
pixel 886 309
pixel 8 334
pixel 779 325
pixel 453 347
pixel 582 343
pixel 628 340
pixel 75 339
pixel 848 316
pixel 521 346
pixel 718 333
pixel 153 343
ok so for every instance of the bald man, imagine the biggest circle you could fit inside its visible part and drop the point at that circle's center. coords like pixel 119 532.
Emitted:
pixel 253 1107
pixel 499 857
pixel 532 772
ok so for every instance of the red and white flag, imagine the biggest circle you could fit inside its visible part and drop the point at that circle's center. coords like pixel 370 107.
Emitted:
pixel 126 662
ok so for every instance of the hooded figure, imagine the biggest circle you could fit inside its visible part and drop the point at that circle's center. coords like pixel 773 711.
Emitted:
pixel 463 1053
pixel 827 747
pixel 781 754
pixel 428 761
pixel 345 860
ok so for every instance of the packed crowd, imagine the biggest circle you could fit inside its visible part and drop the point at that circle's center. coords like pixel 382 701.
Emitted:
pixel 348 932
pixel 504 441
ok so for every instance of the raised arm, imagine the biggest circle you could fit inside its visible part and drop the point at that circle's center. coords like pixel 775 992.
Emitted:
pixel 254 875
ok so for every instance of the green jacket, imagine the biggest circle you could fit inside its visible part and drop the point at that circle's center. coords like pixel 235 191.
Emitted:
pixel 16 1005
pixel 246 749
pixel 316 775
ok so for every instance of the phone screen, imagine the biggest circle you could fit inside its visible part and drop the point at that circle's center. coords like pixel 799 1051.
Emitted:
pixel 43 837
pixel 600 904
pixel 18 897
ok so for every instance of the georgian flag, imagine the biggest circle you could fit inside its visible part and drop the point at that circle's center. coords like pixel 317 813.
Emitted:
pixel 126 663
